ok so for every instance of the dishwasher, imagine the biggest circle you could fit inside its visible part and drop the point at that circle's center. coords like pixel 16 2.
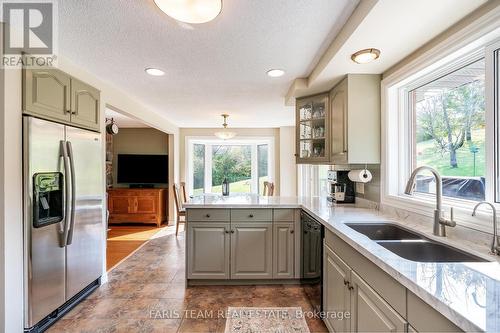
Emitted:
pixel 312 259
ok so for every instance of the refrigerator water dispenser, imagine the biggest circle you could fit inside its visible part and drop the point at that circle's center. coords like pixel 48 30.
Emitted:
pixel 48 199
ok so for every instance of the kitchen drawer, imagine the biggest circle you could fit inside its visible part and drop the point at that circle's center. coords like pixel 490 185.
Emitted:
pixel 250 215
pixel 284 215
pixel 134 193
pixel 391 290
pixel 202 215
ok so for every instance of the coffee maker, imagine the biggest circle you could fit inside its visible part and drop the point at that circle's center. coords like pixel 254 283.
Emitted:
pixel 340 187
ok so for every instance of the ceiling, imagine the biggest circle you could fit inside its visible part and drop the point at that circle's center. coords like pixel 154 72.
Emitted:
pixel 213 68
pixel 124 121
pixel 396 27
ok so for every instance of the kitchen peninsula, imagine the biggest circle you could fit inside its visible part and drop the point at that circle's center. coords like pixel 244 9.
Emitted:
pixel 247 239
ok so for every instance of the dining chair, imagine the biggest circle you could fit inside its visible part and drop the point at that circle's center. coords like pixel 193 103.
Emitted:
pixel 181 211
pixel 268 189
pixel 183 189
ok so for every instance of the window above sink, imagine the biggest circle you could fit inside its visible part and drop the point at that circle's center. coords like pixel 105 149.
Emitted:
pixel 440 110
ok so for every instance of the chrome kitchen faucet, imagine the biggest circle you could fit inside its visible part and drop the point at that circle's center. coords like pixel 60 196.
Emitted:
pixel 495 244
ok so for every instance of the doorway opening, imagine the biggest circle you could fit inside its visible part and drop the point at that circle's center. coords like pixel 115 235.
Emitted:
pixel 137 181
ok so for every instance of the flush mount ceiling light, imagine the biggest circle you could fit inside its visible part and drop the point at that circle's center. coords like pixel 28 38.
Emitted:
pixel 191 11
pixel 365 56
pixel 275 72
pixel 154 71
pixel 225 134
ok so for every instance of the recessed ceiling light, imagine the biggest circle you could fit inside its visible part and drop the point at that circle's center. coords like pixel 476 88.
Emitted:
pixel 191 11
pixel 155 71
pixel 365 56
pixel 275 72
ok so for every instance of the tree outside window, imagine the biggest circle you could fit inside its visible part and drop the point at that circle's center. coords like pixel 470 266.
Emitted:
pixel 449 131
pixel 246 164
pixel 233 163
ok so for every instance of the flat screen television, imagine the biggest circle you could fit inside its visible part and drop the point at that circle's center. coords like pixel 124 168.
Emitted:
pixel 142 169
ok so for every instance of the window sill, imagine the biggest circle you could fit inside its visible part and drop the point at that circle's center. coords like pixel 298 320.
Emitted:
pixel 423 205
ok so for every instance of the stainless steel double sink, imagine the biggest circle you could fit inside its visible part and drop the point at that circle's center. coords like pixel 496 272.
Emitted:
pixel 411 245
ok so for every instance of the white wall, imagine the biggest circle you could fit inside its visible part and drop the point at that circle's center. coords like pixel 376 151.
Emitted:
pixel 288 168
pixel 11 237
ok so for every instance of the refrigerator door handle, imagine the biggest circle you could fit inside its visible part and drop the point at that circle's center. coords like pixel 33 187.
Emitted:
pixel 73 192
pixel 63 234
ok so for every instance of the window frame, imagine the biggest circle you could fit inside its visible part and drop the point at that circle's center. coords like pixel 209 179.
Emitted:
pixel 309 184
pixel 411 122
pixel 210 141
pixel 396 125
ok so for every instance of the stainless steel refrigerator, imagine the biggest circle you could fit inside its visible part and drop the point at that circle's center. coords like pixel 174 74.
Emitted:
pixel 63 219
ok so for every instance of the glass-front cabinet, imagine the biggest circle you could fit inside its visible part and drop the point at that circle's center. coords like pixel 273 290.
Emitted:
pixel 313 134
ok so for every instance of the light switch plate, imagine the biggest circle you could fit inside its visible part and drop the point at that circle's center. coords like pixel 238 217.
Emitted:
pixel 360 188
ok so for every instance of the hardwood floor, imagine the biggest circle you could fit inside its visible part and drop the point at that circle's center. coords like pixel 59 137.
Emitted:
pixel 125 239
pixel 147 293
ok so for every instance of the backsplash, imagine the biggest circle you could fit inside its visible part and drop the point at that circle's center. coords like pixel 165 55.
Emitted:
pixel 467 237
pixel 372 189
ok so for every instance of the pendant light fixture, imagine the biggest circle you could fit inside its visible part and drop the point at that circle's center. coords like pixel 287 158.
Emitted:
pixel 225 134
pixel 191 11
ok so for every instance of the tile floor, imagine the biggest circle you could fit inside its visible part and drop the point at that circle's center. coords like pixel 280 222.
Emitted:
pixel 146 293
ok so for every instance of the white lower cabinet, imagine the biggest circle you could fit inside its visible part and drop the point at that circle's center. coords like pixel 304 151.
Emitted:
pixel 208 250
pixel 252 250
pixel 351 304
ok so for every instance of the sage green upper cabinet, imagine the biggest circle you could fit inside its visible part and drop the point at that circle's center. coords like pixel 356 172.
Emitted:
pixel 84 105
pixel 51 94
pixel 312 129
pixel 345 130
pixel 47 94
pixel 338 100
pixel 355 120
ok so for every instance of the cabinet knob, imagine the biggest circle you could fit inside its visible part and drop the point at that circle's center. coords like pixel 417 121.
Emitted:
pixel 226 231
pixel 207 216
pixel 291 231
pixel 251 215
pixel 346 282
pixel 351 287
pixel 232 231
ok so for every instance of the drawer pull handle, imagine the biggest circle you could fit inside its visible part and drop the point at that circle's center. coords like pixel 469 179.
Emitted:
pixel 351 287
pixel 207 216
pixel 251 215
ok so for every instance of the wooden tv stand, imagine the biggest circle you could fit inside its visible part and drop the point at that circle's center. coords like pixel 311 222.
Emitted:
pixel 137 205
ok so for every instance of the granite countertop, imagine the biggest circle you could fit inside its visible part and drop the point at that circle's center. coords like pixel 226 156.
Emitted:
pixel 468 294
